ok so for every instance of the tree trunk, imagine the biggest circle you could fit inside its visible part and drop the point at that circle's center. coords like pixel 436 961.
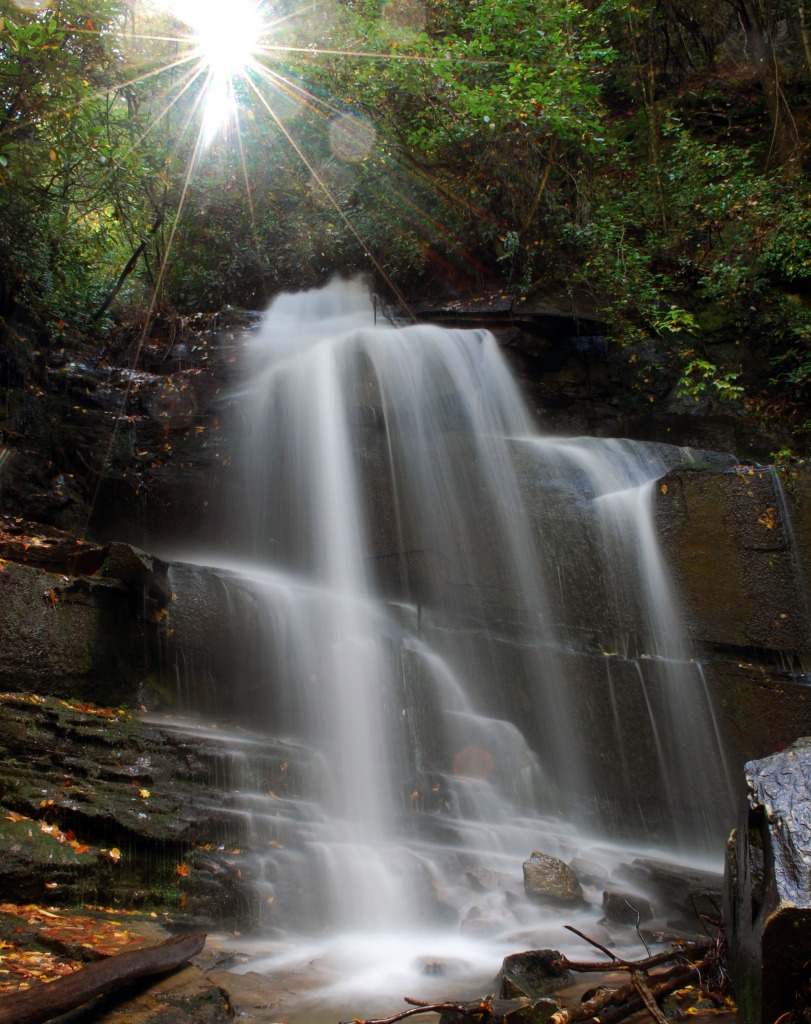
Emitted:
pixel 760 42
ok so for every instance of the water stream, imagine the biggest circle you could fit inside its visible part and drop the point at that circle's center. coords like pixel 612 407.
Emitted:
pixel 467 626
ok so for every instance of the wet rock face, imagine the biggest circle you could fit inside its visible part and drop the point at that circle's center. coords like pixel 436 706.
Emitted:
pixel 97 806
pixel 679 894
pixel 767 900
pixel 742 566
pixel 92 444
pixel 77 618
pixel 79 634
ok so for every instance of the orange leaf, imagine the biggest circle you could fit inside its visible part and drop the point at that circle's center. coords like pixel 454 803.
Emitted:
pixel 183 869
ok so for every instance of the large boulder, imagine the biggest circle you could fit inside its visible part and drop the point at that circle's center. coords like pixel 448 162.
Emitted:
pixel 767 904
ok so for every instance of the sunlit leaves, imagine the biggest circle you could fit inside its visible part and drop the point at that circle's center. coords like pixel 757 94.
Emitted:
pixel 95 936
pixel 513 65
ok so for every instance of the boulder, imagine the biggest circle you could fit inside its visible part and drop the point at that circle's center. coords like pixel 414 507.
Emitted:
pixel 549 879
pixel 767 898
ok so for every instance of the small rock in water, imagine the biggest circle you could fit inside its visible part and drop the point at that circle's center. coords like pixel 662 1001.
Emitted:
pixel 477 921
pixel 547 878
pixel 532 974
pixel 589 871
pixel 486 880
pixel 626 907
pixel 441 968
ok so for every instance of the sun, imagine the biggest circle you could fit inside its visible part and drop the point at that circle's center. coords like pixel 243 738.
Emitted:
pixel 226 39
pixel 227 36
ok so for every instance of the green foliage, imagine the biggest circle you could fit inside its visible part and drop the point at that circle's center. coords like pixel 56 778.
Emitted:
pixel 596 144
pixel 701 377
pixel 70 171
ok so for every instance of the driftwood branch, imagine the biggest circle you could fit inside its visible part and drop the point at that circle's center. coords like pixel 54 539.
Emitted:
pixel 475 1009
pixel 668 983
pixel 592 942
pixel 678 951
pixel 640 982
pixel 50 1000
pixel 591 1007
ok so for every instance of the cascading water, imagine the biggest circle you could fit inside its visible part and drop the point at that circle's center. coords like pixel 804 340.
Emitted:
pixel 470 625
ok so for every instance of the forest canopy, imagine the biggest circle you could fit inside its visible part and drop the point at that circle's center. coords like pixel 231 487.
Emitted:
pixel 651 154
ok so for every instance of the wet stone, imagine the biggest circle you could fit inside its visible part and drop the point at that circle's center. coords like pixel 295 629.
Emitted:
pixel 548 878
pixel 532 974
pixel 626 907
pixel 767 898
pixel 677 891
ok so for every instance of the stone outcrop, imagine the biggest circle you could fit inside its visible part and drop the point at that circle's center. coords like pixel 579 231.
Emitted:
pixel 767 907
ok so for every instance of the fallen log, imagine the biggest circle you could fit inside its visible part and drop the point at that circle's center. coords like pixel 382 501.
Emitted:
pixel 52 999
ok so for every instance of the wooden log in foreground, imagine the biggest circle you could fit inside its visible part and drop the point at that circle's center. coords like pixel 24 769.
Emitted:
pixel 54 998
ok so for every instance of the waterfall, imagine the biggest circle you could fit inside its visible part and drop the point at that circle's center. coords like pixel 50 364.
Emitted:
pixel 469 625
